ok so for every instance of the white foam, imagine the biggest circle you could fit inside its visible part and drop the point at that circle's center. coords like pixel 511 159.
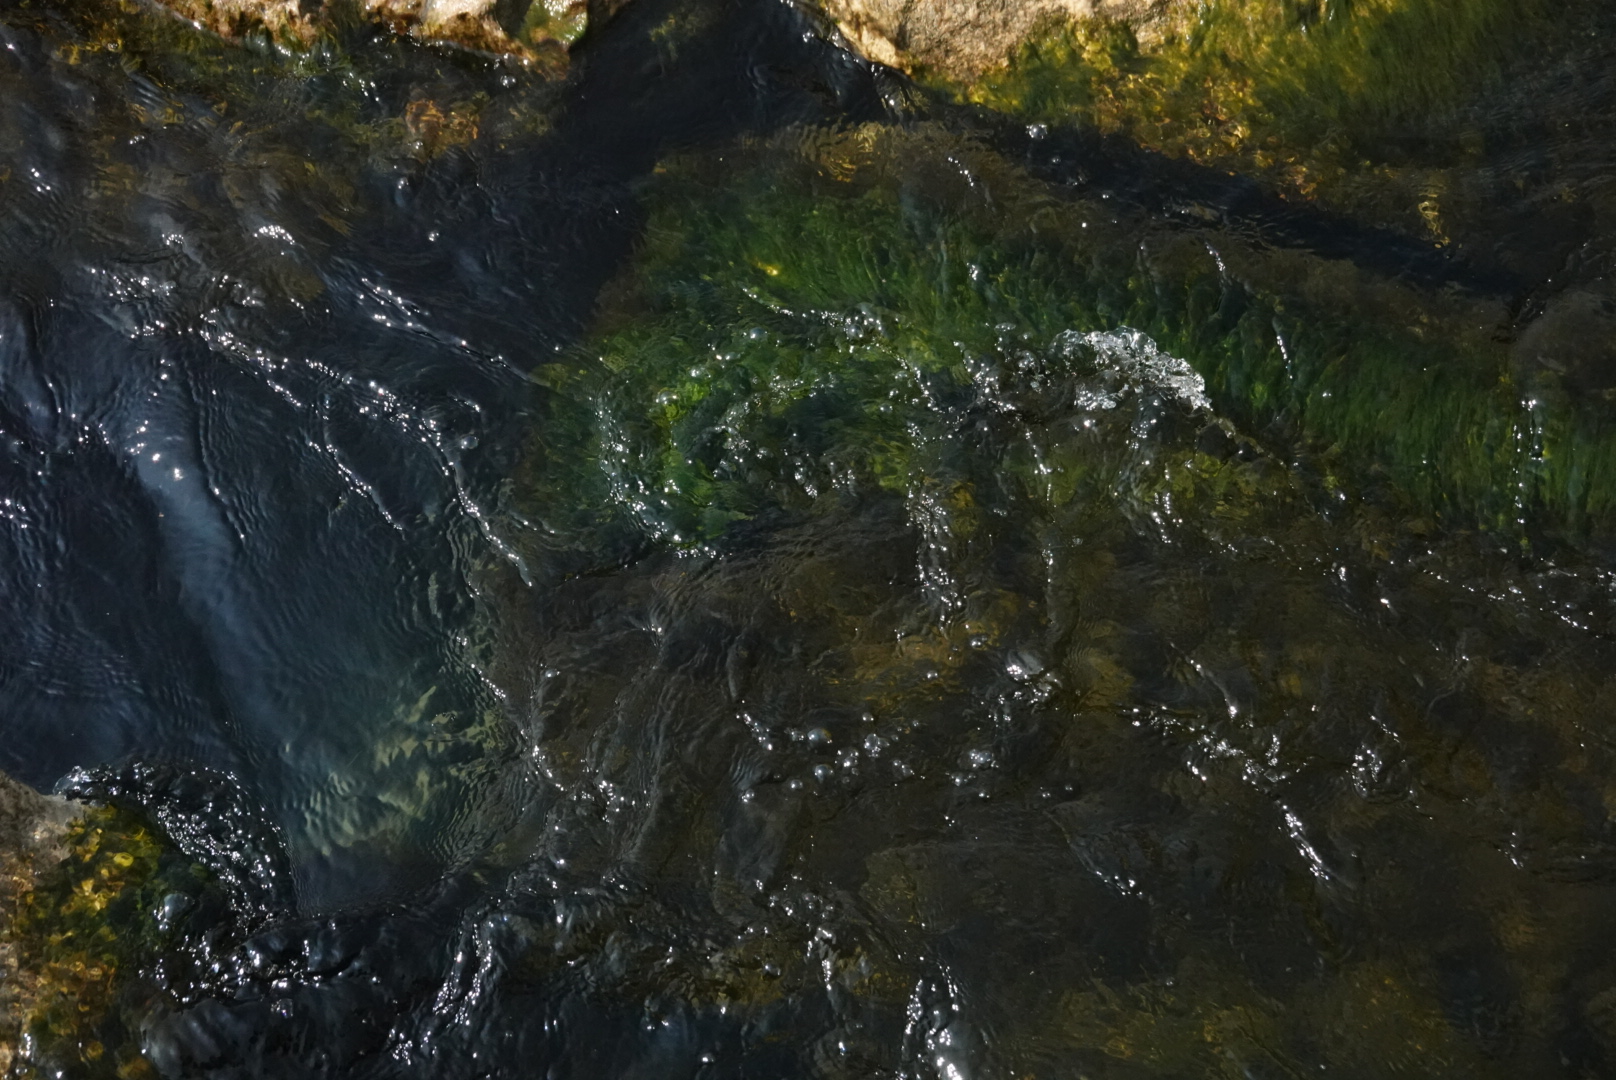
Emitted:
pixel 1132 354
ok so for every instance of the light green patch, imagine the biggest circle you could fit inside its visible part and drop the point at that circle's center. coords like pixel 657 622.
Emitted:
pixel 554 20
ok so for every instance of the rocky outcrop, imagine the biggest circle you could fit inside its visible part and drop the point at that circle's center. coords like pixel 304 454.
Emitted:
pixel 33 840
pixel 525 29
pixel 90 897
pixel 961 39
pixel 33 828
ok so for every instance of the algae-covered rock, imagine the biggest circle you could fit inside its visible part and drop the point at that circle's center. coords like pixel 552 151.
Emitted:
pixel 1043 651
pixel 1331 96
pixel 962 39
pixel 797 337
pixel 33 839
pixel 90 899
pixel 1407 114
pixel 522 30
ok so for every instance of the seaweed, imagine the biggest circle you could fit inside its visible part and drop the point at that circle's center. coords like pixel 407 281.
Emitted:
pixel 842 320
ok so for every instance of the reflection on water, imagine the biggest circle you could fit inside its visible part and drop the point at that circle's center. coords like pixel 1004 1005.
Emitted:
pixel 699 571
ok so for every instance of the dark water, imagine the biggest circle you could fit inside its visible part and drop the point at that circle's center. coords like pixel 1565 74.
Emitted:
pixel 1205 770
pixel 254 459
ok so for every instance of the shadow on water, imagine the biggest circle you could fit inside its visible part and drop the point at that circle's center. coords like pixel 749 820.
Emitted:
pixel 537 232
pixel 1091 163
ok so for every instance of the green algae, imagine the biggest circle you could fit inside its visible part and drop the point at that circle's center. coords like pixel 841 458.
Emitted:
pixel 1174 689
pixel 832 323
pixel 1359 103
pixel 85 937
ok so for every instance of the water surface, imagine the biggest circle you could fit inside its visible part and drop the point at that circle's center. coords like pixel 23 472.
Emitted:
pixel 732 565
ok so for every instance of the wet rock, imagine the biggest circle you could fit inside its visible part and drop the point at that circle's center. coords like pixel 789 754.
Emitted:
pixel 234 18
pixel 525 29
pixel 961 39
pixel 33 839
pixel 32 825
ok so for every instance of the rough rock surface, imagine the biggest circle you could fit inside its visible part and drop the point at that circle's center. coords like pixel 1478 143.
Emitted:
pixel 32 825
pixel 495 26
pixel 960 39
pixel 33 831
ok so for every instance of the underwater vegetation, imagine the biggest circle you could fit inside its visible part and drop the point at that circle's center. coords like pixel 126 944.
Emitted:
pixel 946 620
pixel 1010 521
pixel 949 585
pixel 813 325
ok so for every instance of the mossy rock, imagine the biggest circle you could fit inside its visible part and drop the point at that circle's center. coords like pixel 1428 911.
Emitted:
pixel 83 936
pixel 1400 113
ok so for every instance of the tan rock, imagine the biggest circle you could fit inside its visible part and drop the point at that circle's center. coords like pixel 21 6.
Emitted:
pixel 33 825
pixel 33 834
pixel 233 18
pixel 960 39
pixel 471 24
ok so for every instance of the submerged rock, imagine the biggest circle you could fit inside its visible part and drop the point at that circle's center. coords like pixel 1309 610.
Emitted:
pixel 1574 337
pixel 999 625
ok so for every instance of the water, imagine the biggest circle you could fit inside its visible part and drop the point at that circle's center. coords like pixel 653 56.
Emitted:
pixel 731 566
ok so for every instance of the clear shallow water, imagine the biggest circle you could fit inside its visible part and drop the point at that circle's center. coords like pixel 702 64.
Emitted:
pixel 1080 728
